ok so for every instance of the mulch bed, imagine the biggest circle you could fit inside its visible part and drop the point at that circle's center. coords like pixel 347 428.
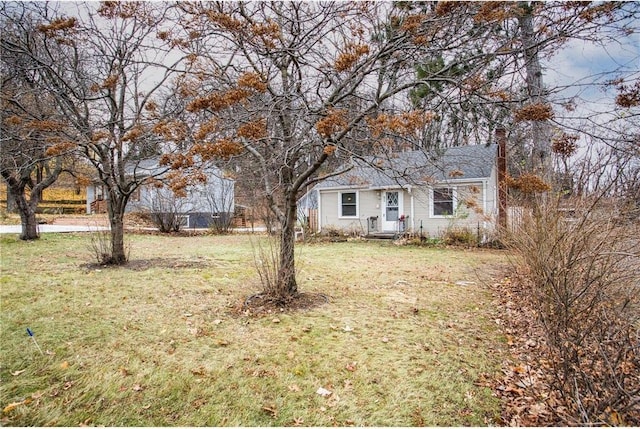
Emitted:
pixel 261 304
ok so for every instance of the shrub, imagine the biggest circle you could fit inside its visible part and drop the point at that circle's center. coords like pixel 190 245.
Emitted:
pixel 424 241
pixel 460 236
pixel 221 224
pixel 167 222
pixel 585 285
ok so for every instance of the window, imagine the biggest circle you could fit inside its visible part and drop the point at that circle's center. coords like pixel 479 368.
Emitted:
pixel 183 221
pixel 443 201
pixel 348 204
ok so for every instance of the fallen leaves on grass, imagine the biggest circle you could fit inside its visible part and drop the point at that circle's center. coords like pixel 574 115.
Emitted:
pixel 199 371
pixel 526 395
pixel 197 332
pixel 323 392
pixel 271 410
pixel 17 373
pixel 12 406
pixel 85 423
pixel 199 403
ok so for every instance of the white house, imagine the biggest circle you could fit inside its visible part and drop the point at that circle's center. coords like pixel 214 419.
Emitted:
pixel 425 193
pixel 203 205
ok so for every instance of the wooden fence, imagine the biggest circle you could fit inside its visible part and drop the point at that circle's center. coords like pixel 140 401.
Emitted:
pixel 313 220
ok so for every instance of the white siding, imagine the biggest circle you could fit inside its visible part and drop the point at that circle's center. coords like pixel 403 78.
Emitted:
pixel 330 210
pixel 217 195
pixel 471 210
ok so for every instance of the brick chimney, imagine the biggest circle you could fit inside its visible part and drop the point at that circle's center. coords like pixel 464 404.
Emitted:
pixel 501 139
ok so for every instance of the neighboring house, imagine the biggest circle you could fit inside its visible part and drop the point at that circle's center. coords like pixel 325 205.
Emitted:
pixel 203 205
pixel 411 192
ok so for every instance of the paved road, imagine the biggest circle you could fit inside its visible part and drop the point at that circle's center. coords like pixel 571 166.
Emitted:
pixel 16 229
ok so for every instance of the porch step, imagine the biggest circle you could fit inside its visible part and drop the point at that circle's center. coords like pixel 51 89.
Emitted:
pixel 382 235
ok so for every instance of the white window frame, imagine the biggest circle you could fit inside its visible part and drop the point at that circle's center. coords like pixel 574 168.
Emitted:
pixel 454 201
pixel 357 195
pixel 183 220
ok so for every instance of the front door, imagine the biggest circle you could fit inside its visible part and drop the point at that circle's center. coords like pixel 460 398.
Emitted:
pixel 391 203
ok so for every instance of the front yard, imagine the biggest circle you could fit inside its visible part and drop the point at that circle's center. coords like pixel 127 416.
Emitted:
pixel 408 337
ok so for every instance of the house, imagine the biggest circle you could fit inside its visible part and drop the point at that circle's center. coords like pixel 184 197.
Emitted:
pixel 204 204
pixel 418 192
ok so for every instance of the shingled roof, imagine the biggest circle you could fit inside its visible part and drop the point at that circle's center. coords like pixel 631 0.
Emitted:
pixel 417 167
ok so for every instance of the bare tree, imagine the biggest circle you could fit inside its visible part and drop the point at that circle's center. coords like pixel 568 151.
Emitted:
pixel 298 87
pixel 514 91
pixel 35 138
pixel 105 69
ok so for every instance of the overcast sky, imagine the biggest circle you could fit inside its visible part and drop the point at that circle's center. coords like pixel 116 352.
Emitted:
pixel 582 63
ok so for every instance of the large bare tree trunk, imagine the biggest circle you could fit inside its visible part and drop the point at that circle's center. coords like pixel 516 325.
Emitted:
pixel 27 217
pixel 287 286
pixel 12 207
pixel 540 130
pixel 26 207
pixel 116 206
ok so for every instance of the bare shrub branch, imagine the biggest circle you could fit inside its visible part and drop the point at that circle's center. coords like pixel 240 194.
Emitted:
pixel 584 267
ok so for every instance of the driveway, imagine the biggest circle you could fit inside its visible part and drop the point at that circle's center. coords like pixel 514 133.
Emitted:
pixel 17 229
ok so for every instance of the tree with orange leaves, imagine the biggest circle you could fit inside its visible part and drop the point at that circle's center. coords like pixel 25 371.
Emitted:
pixel 35 139
pixel 103 70
pixel 294 87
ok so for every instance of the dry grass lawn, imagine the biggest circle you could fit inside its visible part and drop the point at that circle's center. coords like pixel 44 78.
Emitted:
pixel 402 341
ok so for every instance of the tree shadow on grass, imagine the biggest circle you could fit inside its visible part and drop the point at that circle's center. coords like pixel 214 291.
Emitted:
pixel 145 264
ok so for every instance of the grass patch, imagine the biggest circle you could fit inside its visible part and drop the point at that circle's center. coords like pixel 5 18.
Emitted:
pixel 401 343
